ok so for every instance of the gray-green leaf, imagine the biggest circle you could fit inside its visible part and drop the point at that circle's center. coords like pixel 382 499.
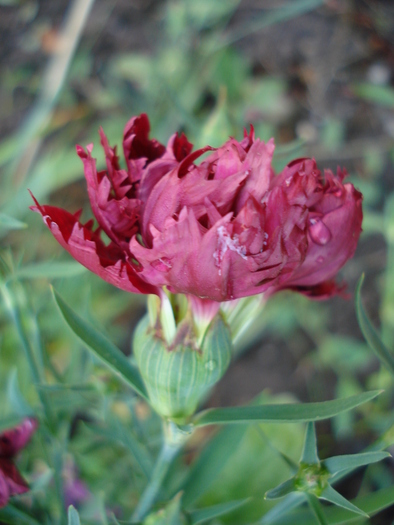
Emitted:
pixel 209 513
pixel 102 347
pixel 370 333
pixel 353 461
pixel 73 516
pixel 297 412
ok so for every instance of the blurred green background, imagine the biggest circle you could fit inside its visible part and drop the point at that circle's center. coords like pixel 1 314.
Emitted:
pixel 316 75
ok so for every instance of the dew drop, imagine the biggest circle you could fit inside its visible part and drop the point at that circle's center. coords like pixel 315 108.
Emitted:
pixel 319 232
pixel 338 192
pixel 210 365
pixel 163 264
pixel 320 259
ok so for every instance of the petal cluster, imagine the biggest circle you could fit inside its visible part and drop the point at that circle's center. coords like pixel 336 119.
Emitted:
pixel 224 228
pixel 11 442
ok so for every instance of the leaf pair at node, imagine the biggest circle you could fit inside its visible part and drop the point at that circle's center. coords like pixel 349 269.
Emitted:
pixel 313 476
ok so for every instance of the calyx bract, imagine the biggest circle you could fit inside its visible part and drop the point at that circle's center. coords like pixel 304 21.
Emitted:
pixel 179 375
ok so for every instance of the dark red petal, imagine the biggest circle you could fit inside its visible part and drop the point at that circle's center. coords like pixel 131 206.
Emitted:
pixel 4 492
pixel 181 147
pixel 136 143
pixel 108 262
pixel 322 291
pixel 186 163
pixel 111 196
pixel 248 139
pixel 14 481
pixel 13 440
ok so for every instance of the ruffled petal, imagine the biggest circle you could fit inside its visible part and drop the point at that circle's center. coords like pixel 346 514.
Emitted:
pixel 182 257
pixel 178 147
pixel 111 195
pixel 108 262
pixel 137 145
pixel 258 166
pixel 332 240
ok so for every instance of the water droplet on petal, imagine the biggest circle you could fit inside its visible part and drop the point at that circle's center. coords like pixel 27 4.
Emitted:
pixel 338 192
pixel 163 264
pixel 320 259
pixel 319 232
pixel 210 365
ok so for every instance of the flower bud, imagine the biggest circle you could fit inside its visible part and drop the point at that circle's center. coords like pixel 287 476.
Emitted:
pixel 179 372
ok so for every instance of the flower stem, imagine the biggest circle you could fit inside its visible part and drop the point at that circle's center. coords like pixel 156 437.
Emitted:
pixel 316 508
pixel 173 440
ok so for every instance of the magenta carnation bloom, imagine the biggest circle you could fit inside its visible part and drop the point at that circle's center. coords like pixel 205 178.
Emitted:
pixel 224 229
pixel 11 442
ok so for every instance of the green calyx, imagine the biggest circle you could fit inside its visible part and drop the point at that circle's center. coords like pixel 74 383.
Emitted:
pixel 178 366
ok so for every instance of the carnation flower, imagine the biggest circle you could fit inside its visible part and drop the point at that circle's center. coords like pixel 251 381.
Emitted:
pixel 11 442
pixel 222 229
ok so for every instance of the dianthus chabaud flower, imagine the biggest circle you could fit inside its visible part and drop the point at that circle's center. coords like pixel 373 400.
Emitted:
pixel 11 442
pixel 197 234
pixel 220 230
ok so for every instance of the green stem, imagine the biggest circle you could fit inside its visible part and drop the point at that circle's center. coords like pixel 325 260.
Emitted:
pixel 317 510
pixel 173 440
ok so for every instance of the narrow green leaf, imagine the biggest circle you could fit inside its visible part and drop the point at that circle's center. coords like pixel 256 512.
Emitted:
pixel 73 516
pixel 370 333
pixel 209 513
pixel 281 490
pixel 170 515
pixel 317 510
pixel 382 95
pixel 210 463
pixel 297 412
pixel 331 495
pixel 217 127
pixel 309 453
pixel 102 347
pixel 9 223
pixel 12 515
pixel 353 461
pixel 49 270
pixel 284 12
pixel 282 509
pixel 15 397
pixel 369 503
